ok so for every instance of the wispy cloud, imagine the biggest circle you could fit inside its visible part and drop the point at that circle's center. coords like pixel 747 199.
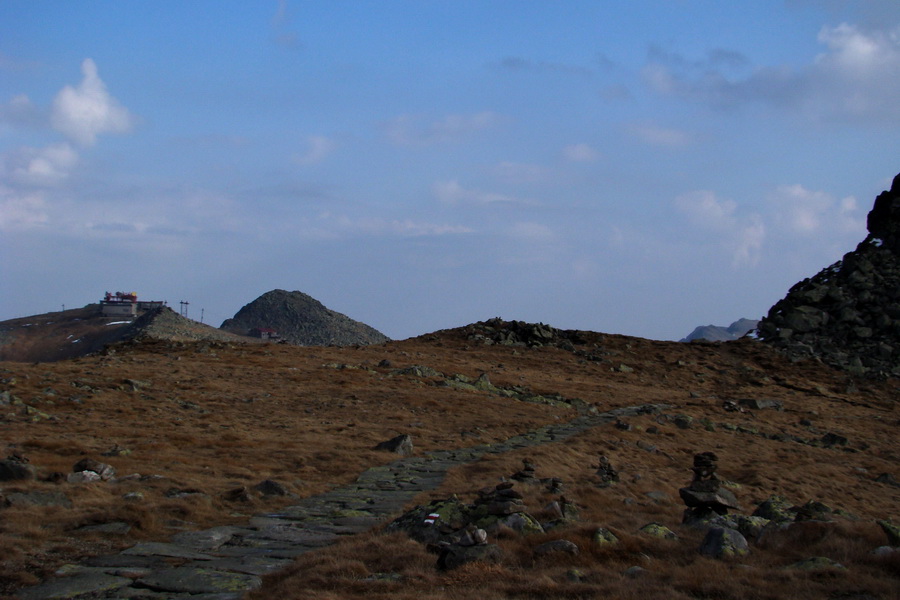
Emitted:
pixel 417 130
pixel 451 192
pixel 810 213
pixel 88 110
pixel 318 148
pixel 742 236
pixel 580 153
pixel 285 36
pixel 654 135
pixel 39 167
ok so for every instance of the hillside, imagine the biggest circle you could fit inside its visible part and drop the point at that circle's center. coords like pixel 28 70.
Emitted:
pixel 301 320
pixel 194 430
pixel 78 332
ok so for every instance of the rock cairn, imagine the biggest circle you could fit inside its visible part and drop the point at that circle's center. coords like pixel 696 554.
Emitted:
pixel 848 315
pixel 706 497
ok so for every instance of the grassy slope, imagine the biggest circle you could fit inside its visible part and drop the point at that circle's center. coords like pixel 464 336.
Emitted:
pixel 211 417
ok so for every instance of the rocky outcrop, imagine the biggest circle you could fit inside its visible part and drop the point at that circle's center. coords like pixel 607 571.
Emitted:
pixel 848 314
pixel 302 320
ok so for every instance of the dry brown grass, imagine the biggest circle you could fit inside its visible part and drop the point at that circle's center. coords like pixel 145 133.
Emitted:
pixel 212 417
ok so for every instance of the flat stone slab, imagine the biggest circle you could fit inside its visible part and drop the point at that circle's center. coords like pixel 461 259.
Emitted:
pixel 251 565
pixel 165 549
pixel 193 580
pixel 65 588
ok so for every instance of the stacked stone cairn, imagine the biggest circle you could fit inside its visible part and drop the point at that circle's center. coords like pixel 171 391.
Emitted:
pixel 706 497
pixel 848 315
pixel 606 472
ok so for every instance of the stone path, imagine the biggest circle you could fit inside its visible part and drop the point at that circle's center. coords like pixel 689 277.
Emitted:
pixel 222 563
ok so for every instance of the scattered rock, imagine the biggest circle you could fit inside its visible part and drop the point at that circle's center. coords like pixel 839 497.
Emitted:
pixel 453 556
pixel 887 479
pixel 269 487
pixel 761 403
pixel 892 531
pixel 83 477
pixel 111 528
pixel 104 470
pixel 402 445
pixel 604 537
pixel 816 563
pixel 775 508
pixel 556 547
pixel 16 468
pixel 38 498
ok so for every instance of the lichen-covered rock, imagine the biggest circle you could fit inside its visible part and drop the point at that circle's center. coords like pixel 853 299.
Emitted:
pixel 658 531
pixel 604 537
pixel 775 508
pixel 722 542
pixel 750 527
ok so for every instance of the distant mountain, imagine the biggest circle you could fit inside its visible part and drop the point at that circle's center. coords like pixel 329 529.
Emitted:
pixel 301 320
pixel 717 333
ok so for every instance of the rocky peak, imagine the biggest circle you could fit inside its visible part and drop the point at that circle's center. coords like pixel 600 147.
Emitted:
pixel 300 319
pixel 883 221
pixel 848 314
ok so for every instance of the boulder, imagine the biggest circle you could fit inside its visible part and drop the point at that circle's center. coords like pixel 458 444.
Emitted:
pixel 15 470
pixel 556 547
pixel 722 542
pixel 453 556
pixel 104 470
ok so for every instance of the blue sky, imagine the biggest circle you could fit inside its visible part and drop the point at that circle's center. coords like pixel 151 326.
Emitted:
pixel 635 167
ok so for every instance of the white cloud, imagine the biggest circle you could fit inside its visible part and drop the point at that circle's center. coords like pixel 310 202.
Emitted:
pixel 814 213
pixel 415 130
pixel 857 77
pixel 513 172
pixel 84 112
pixel 398 227
pixel 531 231
pixel 20 211
pixel 580 153
pixel 318 148
pixel 747 243
pixel 451 192
pixel 40 167
pixel 20 111
pixel 741 236
pixel 703 208
pixel 661 136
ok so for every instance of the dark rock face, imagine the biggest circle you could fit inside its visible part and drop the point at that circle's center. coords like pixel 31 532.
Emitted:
pixel 848 315
pixel 302 320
